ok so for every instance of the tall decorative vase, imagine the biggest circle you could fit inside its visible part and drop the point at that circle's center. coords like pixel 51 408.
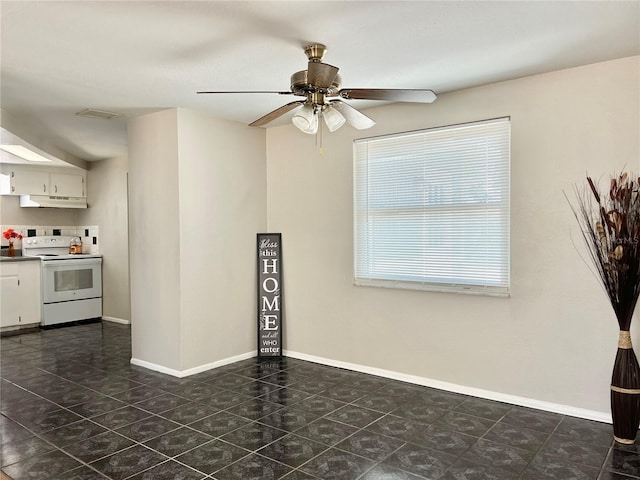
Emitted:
pixel 12 251
pixel 625 392
pixel 610 225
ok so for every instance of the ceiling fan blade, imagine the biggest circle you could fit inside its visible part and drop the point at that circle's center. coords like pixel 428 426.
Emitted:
pixel 321 75
pixel 391 95
pixel 275 114
pixel 355 118
pixel 251 91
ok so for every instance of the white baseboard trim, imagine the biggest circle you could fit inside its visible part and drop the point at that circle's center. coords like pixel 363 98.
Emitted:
pixel 155 367
pixel 194 370
pixel 117 320
pixel 452 387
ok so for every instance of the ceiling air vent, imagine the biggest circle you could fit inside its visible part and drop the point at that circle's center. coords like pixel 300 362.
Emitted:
pixel 91 113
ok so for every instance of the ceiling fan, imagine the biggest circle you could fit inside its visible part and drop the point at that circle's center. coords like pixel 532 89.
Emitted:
pixel 320 84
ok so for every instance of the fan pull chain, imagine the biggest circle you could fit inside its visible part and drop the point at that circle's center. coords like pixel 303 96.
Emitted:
pixel 319 134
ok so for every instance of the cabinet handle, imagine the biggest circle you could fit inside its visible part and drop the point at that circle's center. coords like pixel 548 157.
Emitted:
pixel 83 186
pixel 44 187
pixel 56 187
pixel 13 189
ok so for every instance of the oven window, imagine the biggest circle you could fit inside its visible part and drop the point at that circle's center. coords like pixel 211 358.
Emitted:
pixel 66 280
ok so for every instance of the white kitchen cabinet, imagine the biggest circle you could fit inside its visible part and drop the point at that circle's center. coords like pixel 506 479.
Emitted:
pixel 25 181
pixel 67 185
pixel 29 182
pixel 20 293
pixel 10 304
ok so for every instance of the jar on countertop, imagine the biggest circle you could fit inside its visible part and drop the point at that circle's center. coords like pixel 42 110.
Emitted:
pixel 75 246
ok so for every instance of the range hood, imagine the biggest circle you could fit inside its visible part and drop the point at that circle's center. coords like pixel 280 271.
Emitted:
pixel 46 201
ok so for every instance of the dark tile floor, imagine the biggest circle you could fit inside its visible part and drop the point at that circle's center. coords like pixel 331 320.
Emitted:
pixel 74 408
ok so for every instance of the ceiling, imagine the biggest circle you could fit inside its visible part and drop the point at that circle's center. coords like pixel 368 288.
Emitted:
pixel 134 57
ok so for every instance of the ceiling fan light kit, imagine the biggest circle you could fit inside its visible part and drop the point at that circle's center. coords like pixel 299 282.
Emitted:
pixel 319 84
pixel 332 118
pixel 305 119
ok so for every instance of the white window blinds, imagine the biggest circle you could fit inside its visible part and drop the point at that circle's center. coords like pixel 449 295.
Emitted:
pixel 431 209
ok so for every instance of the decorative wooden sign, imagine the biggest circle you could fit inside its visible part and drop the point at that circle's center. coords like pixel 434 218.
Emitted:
pixel 269 295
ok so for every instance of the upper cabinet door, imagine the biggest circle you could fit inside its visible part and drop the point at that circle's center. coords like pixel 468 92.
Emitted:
pixel 67 185
pixel 29 182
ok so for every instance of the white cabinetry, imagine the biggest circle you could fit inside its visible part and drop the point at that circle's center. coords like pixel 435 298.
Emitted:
pixel 20 293
pixel 29 182
pixel 67 185
pixel 25 181
pixel 10 304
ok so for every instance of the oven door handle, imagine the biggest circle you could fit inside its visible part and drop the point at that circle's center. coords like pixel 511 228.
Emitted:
pixel 71 263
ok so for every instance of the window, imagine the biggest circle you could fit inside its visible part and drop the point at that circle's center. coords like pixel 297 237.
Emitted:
pixel 431 209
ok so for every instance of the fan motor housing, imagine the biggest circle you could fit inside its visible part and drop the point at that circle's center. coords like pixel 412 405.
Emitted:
pixel 300 85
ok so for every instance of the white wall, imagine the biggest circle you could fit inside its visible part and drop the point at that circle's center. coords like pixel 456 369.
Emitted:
pixel 223 186
pixel 554 340
pixel 107 200
pixel 197 190
pixel 154 238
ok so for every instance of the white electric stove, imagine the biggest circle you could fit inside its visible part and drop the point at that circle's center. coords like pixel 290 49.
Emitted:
pixel 71 283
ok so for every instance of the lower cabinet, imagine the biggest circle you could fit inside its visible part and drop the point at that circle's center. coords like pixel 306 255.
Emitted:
pixel 20 300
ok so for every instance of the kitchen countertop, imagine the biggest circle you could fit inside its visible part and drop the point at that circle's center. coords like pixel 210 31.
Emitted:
pixel 20 258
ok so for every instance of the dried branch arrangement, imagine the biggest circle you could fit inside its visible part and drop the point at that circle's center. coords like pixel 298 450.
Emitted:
pixel 610 225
